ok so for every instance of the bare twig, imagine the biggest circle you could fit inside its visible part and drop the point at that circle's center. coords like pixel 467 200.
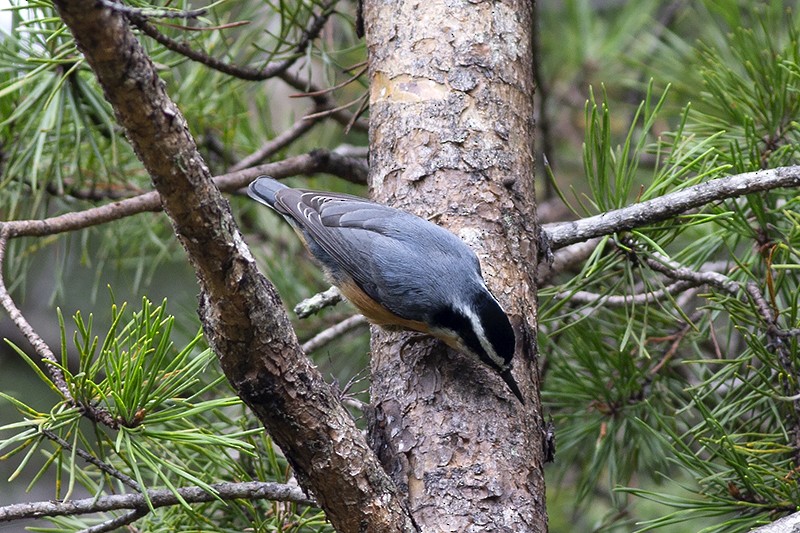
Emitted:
pixel 89 458
pixel 337 330
pixel 613 300
pixel 328 90
pixel 321 98
pixel 251 490
pixel 659 209
pixel 116 522
pixel 673 349
pixel 674 271
pixel 246 73
pixel 316 303
pixel 279 69
pixel 326 112
pixel 286 137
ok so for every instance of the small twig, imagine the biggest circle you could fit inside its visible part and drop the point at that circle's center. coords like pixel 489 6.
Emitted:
pixel 337 330
pixel 89 458
pixel 341 116
pixel 246 73
pixel 670 205
pixel 251 490
pixel 328 90
pixel 318 302
pixel 358 113
pixel 761 303
pixel 674 271
pixel 282 140
pixel 117 522
pixel 673 348
pixel 328 112
pixel 622 300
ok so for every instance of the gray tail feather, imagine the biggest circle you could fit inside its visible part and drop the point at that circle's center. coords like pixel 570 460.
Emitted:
pixel 263 189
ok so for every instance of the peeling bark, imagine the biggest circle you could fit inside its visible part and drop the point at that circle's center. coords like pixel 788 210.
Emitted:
pixel 451 139
pixel 242 315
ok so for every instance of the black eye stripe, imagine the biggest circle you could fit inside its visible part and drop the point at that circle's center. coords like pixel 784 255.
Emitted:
pixel 496 327
pixel 460 324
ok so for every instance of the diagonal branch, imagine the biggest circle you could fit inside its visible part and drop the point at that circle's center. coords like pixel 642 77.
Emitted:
pixel 243 318
pixel 285 138
pixel 91 459
pixel 41 347
pixel 562 234
pixel 337 330
pixel 114 524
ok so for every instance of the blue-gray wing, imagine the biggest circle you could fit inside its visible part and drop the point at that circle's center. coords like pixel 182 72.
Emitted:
pixel 398 259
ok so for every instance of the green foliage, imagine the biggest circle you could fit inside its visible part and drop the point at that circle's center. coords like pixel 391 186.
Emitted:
pixel 688 400
pixel 677 412
pixel 176 424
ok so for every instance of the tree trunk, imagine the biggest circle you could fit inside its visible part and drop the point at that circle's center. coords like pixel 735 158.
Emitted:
pixel 451 139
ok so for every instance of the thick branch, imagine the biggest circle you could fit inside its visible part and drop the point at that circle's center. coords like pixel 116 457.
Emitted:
pixel 252 490
pixel 241 312
pixel 670 205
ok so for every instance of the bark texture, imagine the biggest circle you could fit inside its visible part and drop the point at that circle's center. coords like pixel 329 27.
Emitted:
pixel 242 315
pixel 451 139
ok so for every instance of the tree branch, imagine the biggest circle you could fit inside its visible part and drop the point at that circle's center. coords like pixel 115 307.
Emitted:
pixel 251 490
pixel 42 349
pixel 337 330
pixel 241 312
pixel 316 161
pixel 623 300
pixel 91 459
pixel 117 522
pixel 246 73
pixel 279 69
pixel 665 207
pixel 318 302
pixel 286 137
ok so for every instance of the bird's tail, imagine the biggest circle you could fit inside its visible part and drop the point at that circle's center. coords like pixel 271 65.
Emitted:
pixel 263 189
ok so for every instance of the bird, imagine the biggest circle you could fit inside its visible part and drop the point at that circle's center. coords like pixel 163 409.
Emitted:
pixel 399 270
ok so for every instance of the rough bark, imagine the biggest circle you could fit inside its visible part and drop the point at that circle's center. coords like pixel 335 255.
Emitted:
pixel 451 137
pixel 242 316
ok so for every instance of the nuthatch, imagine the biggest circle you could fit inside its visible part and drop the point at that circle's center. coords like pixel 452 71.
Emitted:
pixel 399 270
